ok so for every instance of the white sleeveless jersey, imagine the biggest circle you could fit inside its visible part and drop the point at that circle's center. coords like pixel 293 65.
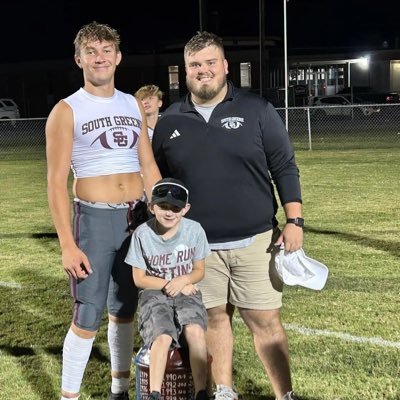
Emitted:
pixel 106 134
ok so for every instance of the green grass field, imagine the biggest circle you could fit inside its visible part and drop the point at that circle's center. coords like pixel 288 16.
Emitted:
pixel 344 340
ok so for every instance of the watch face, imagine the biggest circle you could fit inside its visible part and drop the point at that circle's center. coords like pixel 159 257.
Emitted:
pixel 300 222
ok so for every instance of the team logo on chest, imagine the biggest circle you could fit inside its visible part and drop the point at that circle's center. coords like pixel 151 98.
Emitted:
pixel 120 137
pixel 116 132
pixel 232 122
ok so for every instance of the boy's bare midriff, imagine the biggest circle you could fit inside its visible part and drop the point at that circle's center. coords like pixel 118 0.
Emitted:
pixel 117 188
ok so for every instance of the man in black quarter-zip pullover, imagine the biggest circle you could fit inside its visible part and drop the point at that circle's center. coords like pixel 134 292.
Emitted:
pixel 232 150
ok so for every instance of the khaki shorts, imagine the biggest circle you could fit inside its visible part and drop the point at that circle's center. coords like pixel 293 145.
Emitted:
pixel 244 277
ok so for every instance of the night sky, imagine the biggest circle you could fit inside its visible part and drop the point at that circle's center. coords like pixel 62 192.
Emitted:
pixel 45 29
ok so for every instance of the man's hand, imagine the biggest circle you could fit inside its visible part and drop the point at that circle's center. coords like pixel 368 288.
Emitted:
pixel 75 263
pixel 292 237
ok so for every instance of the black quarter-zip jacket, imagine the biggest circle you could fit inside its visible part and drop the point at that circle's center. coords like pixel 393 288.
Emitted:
pixel 230 164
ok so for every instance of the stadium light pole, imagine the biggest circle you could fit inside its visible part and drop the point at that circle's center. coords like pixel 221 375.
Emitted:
pixel 201 17
pixel 286 63
pixel 261 22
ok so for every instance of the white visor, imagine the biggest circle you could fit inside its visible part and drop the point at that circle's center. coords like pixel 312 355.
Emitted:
pixel 297 269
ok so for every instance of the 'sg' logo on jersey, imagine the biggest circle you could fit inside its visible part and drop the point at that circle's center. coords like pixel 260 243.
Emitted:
pixel 120 139
pixel 117 138
pixel 232 122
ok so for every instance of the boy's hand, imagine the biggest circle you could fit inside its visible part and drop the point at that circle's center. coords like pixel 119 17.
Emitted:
pixel 175 286
pixel 189 289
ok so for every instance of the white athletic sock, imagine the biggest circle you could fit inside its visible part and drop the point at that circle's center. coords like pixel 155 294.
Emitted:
pixel 76 352
pixel 69 398
pixel 119 385
pixel 120 341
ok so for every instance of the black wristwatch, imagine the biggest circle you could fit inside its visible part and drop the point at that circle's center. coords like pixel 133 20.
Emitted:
pixel 297 221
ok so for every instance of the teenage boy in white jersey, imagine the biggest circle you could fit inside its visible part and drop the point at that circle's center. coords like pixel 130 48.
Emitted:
pixel 101 133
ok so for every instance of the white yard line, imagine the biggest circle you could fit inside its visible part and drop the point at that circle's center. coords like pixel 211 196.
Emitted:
pixel 341 335
pixel 10 285
pixel 296 328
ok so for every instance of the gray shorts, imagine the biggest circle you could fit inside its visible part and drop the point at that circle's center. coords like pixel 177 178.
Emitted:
pixel 103 236
pixel 160 314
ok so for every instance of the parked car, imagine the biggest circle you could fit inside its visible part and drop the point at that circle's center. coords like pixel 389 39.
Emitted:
pixel 366 94
pixel 9 110
pixel 341 106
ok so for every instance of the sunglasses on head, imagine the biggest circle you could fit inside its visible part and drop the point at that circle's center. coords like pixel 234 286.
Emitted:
pixel 174 190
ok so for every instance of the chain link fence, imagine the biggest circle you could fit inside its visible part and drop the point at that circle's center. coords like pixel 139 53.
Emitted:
pixel 22 139
pixel 310 128
pixel 343 127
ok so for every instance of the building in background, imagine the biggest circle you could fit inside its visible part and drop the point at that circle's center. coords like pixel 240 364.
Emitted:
pixel 37 86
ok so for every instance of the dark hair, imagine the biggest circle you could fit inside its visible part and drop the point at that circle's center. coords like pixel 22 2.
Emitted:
pixel 138 215
pixel 202 40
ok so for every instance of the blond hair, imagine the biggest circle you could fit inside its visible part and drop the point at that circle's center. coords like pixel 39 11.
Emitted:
pixel 96 32
pixel 147 91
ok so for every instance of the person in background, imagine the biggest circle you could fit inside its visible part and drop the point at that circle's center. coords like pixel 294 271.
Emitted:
pixel 151 97
pixel 101 134
pixel 232 150
pixel 167 255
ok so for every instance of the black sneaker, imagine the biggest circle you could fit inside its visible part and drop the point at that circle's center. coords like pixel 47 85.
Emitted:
pixel 154 395
pixel 119 396
pixel 202 395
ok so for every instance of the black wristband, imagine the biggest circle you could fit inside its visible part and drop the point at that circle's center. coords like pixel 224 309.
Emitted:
pixel 297 221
